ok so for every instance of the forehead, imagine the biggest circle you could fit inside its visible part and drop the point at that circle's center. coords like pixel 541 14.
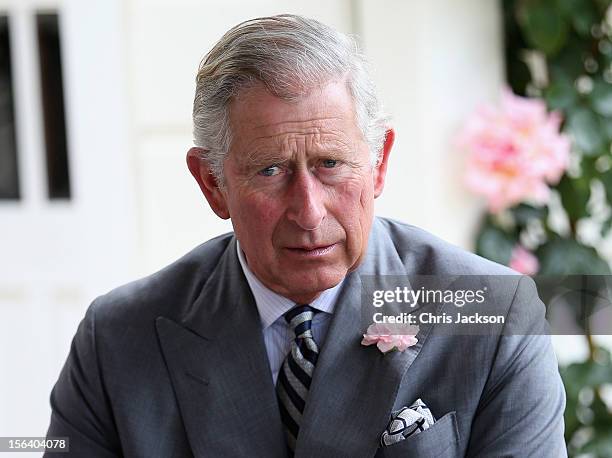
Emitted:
pixel 256 115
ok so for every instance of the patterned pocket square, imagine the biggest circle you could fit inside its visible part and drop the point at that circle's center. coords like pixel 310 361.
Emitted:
pixel 406 422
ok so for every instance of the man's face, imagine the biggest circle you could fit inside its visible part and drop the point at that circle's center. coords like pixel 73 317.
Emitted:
pixel 300 188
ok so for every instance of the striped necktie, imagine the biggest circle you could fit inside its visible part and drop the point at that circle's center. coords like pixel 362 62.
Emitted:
pixel 296 372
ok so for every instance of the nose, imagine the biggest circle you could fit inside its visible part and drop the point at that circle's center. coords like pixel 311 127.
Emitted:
pixel 306 201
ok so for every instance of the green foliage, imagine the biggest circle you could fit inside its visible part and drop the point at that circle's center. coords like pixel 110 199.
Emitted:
pixel 561 94
pixel 573 41
pixel 524 213
pixel 566 256
pixel 584 126
pixel 601 98
pixel 574 194
pixel 588 423
pixel 543 25
pixel 494 243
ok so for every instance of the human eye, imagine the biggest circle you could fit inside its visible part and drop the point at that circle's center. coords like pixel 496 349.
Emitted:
pixel 330 170
pixel 329 163
pixel 270 171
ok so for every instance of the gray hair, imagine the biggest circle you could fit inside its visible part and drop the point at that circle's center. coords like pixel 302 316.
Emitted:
pixel 290 55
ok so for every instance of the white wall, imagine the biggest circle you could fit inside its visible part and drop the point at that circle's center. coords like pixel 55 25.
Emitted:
pixel 56 255
pixel 434 62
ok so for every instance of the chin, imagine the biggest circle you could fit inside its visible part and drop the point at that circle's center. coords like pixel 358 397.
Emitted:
pixel 313 283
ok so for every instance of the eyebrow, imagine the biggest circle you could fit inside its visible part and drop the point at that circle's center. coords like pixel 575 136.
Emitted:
pixel 334 149
pixel 264 158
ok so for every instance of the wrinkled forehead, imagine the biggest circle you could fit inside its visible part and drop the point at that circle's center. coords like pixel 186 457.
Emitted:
pixel 257 113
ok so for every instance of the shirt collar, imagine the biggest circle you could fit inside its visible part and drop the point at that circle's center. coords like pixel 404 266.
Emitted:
pixel 272 306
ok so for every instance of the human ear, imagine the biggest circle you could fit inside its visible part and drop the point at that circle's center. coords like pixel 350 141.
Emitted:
pixel 199 168
pixel 380 171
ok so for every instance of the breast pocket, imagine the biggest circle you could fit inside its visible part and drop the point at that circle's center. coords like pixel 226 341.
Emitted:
pixel 441 440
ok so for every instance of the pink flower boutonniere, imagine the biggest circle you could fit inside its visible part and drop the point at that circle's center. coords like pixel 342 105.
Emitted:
pixel 388 337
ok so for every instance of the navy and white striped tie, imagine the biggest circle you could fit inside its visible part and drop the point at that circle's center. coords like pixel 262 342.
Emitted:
pixel 295 375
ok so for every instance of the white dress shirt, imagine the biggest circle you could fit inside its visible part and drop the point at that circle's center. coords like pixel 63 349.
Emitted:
pixel 272 306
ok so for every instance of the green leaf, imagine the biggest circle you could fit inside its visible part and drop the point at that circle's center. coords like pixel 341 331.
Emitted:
pixel 574 193
pixel 560 94
pixel 543 25
pixel 524 213
pixel 574 378
pixel 586 374
pixel 603 5
pixel 563 256
pixel 581 13
pixel 588 167
pixel 607 131
pixel 606 226
pixel 606 180
pixel 599 445
pixel 602 422
pixel 585 129
pixel 569 62
pixel 601 97
pixel 572 424
pixel 495 244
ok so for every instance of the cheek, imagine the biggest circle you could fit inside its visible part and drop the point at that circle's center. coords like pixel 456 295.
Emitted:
pixel 367 200
pixel 354 204
pixel 355 196
pixel 255 215
pixel 348 191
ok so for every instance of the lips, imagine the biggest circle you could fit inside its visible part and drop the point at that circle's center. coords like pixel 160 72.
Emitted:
pixel 312 250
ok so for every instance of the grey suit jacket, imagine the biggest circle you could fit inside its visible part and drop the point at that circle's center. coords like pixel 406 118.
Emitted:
pixel 174 365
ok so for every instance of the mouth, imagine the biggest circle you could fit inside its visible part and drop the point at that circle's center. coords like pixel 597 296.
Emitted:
pixel 312 251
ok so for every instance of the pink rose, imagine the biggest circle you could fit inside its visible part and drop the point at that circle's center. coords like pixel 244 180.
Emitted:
pixel 389 337
pixel 523 261
pixel 515 151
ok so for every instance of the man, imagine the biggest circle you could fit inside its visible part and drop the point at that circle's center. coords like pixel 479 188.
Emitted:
pixel 250 345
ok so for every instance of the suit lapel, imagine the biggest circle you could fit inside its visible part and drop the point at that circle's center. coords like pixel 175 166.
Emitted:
pixel 220 372
pixel 354 387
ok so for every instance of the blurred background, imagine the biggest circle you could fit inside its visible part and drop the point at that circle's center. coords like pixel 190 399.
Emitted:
pixel 95 122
